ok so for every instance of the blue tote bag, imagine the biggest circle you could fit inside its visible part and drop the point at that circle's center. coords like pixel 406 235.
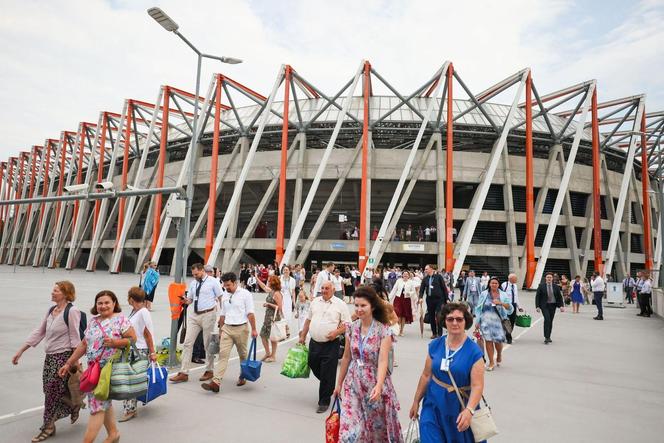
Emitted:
pixel 250 369
pixel 157 383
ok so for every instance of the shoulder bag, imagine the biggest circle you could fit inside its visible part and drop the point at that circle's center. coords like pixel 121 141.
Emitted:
pixel 90 376
pixel 481 424
pixel 278 329
pixel 507 325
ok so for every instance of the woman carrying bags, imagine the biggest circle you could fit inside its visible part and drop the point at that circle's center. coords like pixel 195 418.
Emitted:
pixel 60 338
pixel 443 419
pixel 107 332
pixel 141 321
pixel 273 312
pixel 369 405
pixel 493 307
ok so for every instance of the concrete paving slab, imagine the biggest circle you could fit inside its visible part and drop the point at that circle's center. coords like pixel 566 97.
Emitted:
pixel 598 381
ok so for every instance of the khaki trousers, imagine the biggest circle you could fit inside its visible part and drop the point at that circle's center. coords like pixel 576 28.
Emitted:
pixel 195 324
pixel 228 337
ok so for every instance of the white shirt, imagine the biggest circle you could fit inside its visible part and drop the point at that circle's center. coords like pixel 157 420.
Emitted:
pixel 140 320
pixel 509 289
pixel 210 292
pixel 597 285
pixel 322 277
pixel 338 283
pixel 288 285
pixel 485 280
pixel 251 281
pixel 326 316
pixel 235 307
pixel 647 287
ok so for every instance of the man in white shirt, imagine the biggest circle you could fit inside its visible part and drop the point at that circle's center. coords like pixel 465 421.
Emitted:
pixel 645 296
pixel 323 276
pixel 204 292
pixel 510 288
pixel 326 322
pixel 597 286
pixel 237 314
pixel 628 287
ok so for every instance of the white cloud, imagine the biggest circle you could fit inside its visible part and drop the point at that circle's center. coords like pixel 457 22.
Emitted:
pixel 63 62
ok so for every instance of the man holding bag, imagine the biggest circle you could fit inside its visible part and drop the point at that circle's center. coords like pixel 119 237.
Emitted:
pixel 326 322
pixel 237 309
pixel 203 293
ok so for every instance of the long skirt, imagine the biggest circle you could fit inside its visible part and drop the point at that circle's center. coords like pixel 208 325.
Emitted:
pixel 403 308
pixel 55 388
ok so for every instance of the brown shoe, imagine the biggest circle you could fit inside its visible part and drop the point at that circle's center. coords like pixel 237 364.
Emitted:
pixel 210 386
pixel 241 382
pixel 179 378
pixel 207 375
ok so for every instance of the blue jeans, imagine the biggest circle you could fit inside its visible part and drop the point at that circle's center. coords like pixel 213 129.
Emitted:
pixel 597 296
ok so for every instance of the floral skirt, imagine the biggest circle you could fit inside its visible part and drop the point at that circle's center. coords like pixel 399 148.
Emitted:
pixel 491 327
pixel 55 388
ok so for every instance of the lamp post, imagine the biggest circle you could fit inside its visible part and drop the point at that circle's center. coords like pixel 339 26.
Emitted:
pixel 182 245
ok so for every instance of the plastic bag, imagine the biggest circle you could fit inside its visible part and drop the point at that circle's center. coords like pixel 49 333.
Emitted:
pixel 413 432
pixel 296 364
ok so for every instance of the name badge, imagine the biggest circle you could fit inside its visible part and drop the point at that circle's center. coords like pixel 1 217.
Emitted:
pixel 360 363
pixel 445 365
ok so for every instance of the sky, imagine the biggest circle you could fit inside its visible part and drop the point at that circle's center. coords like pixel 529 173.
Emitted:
pixel 65 61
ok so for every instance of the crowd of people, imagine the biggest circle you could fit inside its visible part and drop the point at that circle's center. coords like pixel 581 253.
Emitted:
pixel 352 354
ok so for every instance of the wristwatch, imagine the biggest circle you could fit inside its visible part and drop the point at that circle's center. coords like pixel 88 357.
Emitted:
pixel 470 410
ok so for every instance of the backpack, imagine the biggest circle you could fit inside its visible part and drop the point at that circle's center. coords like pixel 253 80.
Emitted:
pixel 83 324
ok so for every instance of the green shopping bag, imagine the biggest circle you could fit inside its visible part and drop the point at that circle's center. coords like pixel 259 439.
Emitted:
pixel 296 364
pixel 103 387
pixel 523 321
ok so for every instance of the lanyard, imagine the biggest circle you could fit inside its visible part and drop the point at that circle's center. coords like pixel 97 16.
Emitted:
pixel 362 342
pixel 445 364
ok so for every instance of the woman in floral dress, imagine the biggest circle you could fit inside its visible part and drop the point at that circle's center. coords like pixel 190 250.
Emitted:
pixel 107 332
pixel 369 405
pixel 273 303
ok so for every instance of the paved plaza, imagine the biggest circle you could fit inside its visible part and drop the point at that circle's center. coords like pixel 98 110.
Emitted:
pixel 597 382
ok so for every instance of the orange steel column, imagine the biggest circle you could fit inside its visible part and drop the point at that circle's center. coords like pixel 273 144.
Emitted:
pixel 100 167
pixel 214 164
pixel 47 171
pixel 125 169
pixel 281 212
pixel 530 190
pixel 449 175
pixel 597 221
pixel 79 171
pixel 9 184
pixel 647 241
pixel 362 250
pixel 33 172
pixel 61 184
pixel 156 221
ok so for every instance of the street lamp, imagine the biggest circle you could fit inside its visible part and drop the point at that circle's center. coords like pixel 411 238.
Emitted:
pixel 182 249
pixel 182 246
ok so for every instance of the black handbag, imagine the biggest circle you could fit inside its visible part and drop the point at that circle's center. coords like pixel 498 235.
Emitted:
pixel 427 318
pixel 507 324
pixel 183 331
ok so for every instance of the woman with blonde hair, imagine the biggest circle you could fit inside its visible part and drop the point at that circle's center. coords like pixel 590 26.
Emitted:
pixel 60 331
pixel 273 311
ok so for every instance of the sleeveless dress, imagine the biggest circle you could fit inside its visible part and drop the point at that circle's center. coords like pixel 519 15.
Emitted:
pixel 269 315
pixel 362 420
pixel 490 323
pixel 577 296
pixel 441 408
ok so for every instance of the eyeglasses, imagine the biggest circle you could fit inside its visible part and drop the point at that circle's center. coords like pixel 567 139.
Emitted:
pixel 455 319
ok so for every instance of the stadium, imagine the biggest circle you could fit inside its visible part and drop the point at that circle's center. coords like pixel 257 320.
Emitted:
pixel 509 179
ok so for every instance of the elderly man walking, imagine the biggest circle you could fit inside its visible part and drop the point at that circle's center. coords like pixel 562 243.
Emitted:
pixel 325 322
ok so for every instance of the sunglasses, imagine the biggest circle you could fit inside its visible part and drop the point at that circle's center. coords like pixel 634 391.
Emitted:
pixel 455 319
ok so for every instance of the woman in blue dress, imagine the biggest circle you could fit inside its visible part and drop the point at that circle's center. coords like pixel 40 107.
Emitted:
pixel 577 295
pixel 493 307
pixel 443 419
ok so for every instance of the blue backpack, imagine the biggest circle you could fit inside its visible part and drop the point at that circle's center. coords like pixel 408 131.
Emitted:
pixel 83 324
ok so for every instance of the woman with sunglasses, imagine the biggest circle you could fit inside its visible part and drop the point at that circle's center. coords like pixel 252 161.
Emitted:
pixel 442 418
pixel 493 307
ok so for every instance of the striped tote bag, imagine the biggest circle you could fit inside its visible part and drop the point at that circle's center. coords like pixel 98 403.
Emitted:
pixel 129 378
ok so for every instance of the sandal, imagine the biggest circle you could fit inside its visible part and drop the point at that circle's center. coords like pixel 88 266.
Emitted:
pixel 44 434
pixel 74 415
pixel 270 360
